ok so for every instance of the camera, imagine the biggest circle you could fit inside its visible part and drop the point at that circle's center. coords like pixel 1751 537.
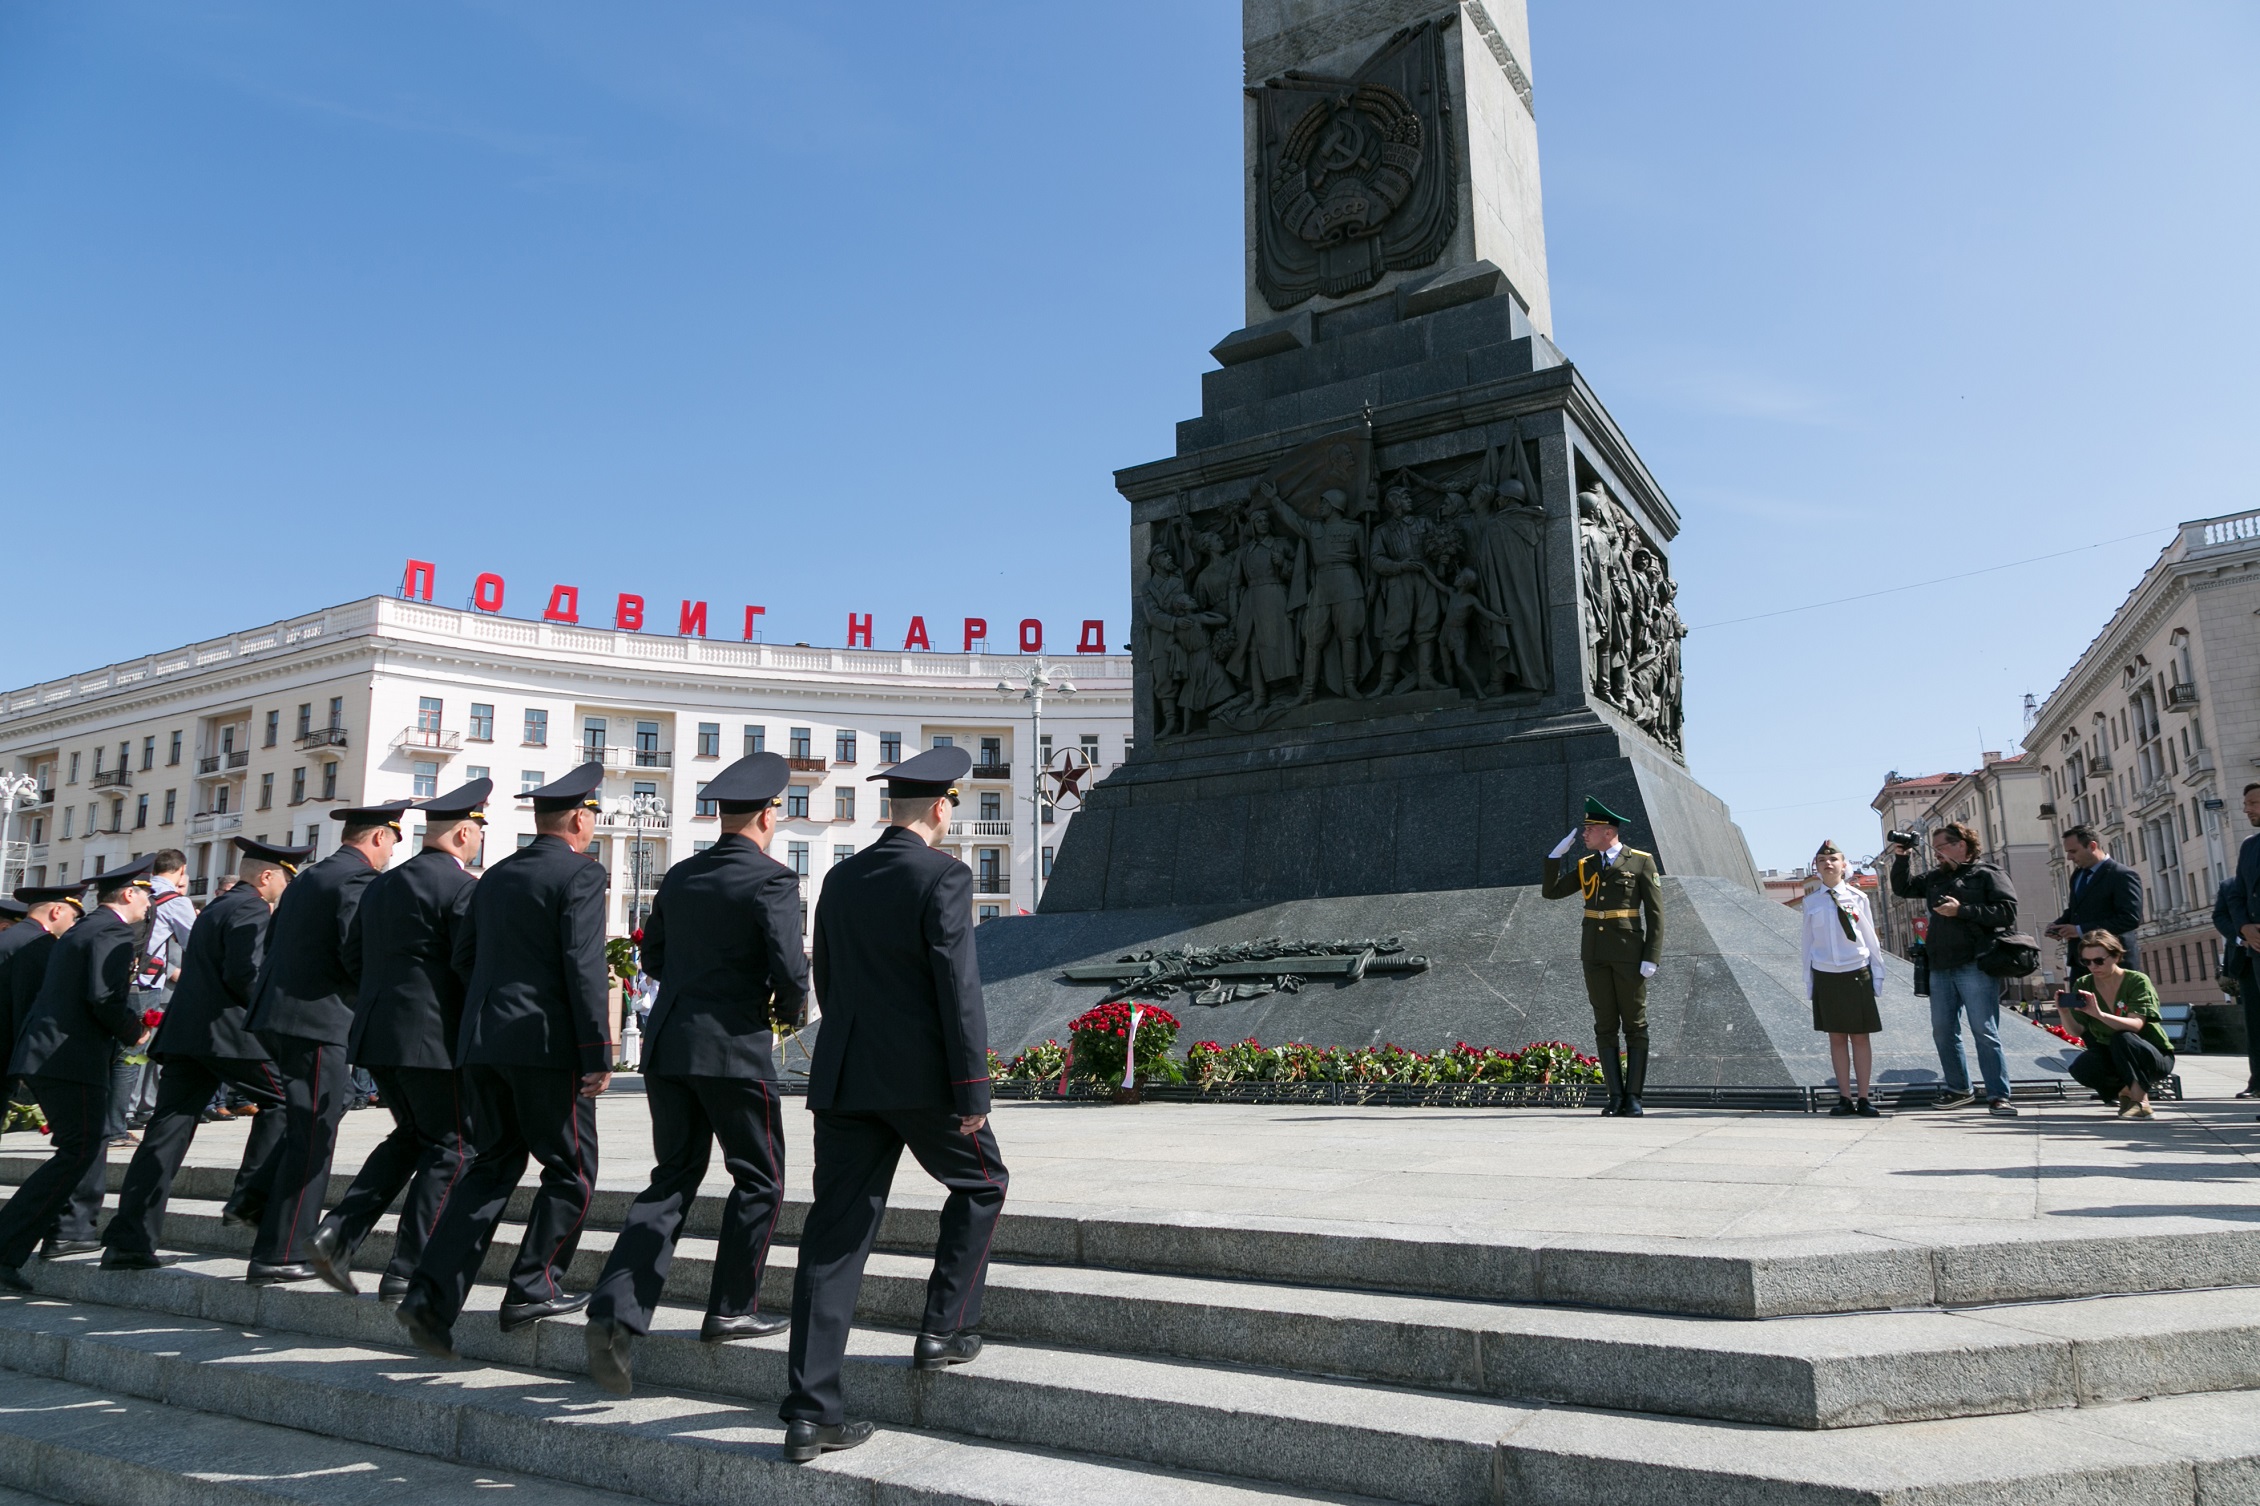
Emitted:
pixel 1905 839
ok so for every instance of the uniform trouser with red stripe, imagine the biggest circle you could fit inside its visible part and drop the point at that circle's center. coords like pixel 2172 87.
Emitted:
pixel 509 1114
pixel 74 1113
pixel 423 1154
pixel 855 1157
pixel 688 1114
pixel 316 1084
pixel 186 1086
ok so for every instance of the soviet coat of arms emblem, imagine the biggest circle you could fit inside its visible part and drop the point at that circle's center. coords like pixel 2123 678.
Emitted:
pixel 1356 174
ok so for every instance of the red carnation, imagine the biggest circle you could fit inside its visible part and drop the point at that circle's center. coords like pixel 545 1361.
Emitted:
pixel 152 1017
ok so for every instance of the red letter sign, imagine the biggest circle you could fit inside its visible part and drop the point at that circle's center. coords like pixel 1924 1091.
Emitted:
pixel 750 614
pixel 486 593
pixel 976 631
pixel 564 604
pixel 916 637
pixel 859 630
pixel 627 613
pixel 1093 640
pixel 692 619
pixel 1031 636
pixel 418 573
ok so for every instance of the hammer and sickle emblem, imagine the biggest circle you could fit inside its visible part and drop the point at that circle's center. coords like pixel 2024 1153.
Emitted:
pixel 1343 145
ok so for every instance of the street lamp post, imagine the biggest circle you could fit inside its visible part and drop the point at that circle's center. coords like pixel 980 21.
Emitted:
pixel 15 789
pixel 643 810
pixel 1041 680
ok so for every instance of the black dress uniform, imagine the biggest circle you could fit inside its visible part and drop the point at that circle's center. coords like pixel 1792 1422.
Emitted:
pixel 302 1011
pixel 536 1020
pixel 723 940
pixel 1623 928
pixel 24 950
pixel 85 1012
pixel 902 1055
pixel 402 942
pixel 204 1044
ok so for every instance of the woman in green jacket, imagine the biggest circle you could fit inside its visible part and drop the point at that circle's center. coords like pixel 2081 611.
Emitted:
pixel 2117 1015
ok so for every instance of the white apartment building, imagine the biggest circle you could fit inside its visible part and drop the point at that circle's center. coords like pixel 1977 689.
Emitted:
pixel 266 731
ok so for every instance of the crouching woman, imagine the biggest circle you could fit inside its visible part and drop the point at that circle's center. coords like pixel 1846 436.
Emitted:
pixel 2117 1015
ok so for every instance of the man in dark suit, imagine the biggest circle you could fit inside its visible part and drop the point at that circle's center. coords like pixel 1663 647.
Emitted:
pixel 535 1051
pixel 902 1059
pixel 204 1044
pixel 2242 904
pixel 84 1013
pixel 302 1010
pixel 402 944
pixel 24 950
pixel 2106 896
pixel 724 942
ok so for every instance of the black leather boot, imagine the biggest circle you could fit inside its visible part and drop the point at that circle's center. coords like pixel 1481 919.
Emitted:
pixel 1635 1078
pixel 1612 1076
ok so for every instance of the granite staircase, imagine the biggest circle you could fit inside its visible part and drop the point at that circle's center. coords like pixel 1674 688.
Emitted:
pixel 1193 1361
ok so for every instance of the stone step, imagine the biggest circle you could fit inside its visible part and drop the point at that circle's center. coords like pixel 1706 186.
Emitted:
pixel 1720 1278
pixel 677 1445
pixel 699 1450
pixel 1810 1372
pixel 102 1447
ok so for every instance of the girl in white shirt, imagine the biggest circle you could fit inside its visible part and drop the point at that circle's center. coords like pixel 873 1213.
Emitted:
pixel 1843 976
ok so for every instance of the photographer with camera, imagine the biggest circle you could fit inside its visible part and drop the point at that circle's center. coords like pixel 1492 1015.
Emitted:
pixel 1970 903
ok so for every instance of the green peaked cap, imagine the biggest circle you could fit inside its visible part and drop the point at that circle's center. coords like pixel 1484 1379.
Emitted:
pixel 1596 811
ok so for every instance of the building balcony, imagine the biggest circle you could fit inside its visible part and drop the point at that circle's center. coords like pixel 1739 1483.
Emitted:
pixel 38 852
pixel 111 779
pixel 991 771
pixel 630 824
pixel 47 797
pixel 209 824
pixel 980 828
pixel 2182 697
pixel 429 740
pixel 985 883
pixel 807 765
pixel 209 764
pixel 199 887
pixel 239 759
pixel 2199 768
pixel 2100 764
pixel 650 758
pixel 322 737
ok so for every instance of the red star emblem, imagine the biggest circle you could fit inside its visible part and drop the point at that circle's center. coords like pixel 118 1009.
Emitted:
pixel 1068 774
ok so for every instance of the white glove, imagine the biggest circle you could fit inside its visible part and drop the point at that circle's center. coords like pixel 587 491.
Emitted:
pixel 1567 843
pixel 1647 970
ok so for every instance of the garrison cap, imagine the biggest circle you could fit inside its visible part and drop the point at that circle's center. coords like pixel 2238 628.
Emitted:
pixel 387 814
pixel 285 858
pixel 931 775
pixel 1596 811
pixel 751 783
pixel 1828 848
pixel 466 804
pixel 574 791
pixel 132 876
pixel 50 894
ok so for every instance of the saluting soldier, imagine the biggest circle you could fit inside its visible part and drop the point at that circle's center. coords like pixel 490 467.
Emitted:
pixel 535 1051
pixel 902 1059
pixel 203 1044
pixel 24 950
pixel 723 940
pixel 302 1010
pixel 405 1020
pixel 85 1012
pixel 1623 941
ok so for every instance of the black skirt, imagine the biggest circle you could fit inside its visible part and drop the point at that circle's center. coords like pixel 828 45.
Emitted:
pixel 1844 1003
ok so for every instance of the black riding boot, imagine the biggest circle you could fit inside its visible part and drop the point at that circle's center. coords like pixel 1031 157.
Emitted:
pixel 1635 1078
pixel 1612 1075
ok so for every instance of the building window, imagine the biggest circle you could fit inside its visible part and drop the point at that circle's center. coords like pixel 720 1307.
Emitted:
pixel 992 806
pixel 796 802
pixel 266 792
pixel 148 753
pixel 69 811
pixel 274 727
pixel 537 729
pixel 424 780
pixel 890 747
pixel 756 740
pixel 337 712
pixel 38 834
pixel 945 742
pixel 329 781
pixel 427 713
pixel 1047 864
pixel 1127 745
pixel 219 800
pixel 101 861
pixel 986 913
pixel 140 812
pixel 701 846
pixel 799 743
pixel 1044 809
pixel 592 737
pixel 478 857
pixel 227 740
pixel 298 785
pixel 474 772
pixel 796 857
pixel 530 779
pixel 843 747
pixel 843 803
pixel 705 807
pixel 482 722
pixel 525 839
pixel 842 851
pixel 73 779
pixel 305 720
pixel 710 739
pixel 886 804
pixel 992 752
pixel 1091 748
pixel 170 797
pixel 172 753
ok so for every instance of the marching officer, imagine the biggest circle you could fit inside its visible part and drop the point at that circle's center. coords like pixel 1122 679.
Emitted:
pixel 85 1012
pixel 535 1051
pixel 723 940
pixel 302 1010
pixel 902 1060
pixel 402 944
pixel 203 1043
pixel 1622 942
pixel 24 950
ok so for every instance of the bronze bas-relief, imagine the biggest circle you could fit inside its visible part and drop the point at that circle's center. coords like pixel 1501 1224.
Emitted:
pixel 1632 623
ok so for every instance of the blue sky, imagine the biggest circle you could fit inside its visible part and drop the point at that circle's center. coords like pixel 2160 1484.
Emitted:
pixel 741 302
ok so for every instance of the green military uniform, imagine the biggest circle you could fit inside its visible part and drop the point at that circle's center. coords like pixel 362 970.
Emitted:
pixel 1624 927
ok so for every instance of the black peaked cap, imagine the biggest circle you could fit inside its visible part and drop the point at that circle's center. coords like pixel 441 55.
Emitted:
pixel 754 781
pixel 929 776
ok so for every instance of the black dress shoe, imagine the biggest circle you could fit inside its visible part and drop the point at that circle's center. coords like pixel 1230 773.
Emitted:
pixel 612 1360
pixel 1844 1108
pixel 516 1315
pixel 425 1331
pixel 12 1279
pixel 940 1351
pixel 1866 1109
pixel 331 1260
pixel 1631 1109
pixel 261 1274
pixel 130 1260
pixel 391 1288
pixel 243 1218
pixel 52 1248
pixel 805 1440
pixel 720 1330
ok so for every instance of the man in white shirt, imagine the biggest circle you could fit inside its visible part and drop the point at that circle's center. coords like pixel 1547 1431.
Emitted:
pixel 171 918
